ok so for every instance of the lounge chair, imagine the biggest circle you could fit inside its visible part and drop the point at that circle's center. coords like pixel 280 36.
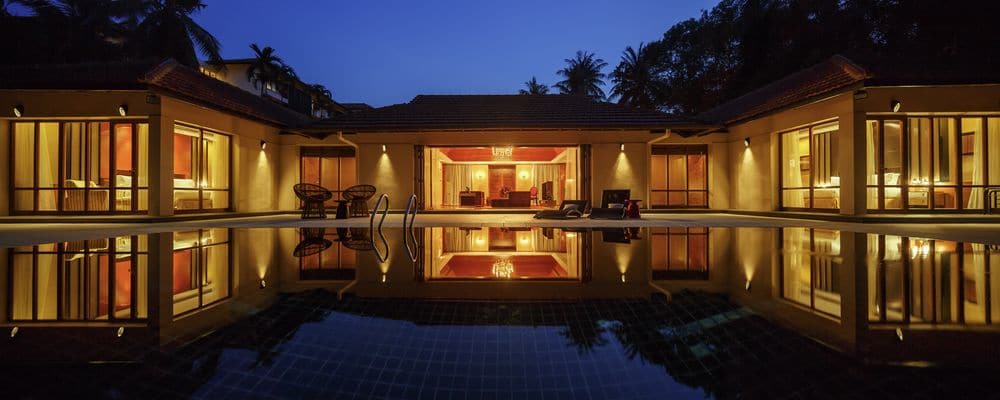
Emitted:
pixel 612 205
pixel 570 209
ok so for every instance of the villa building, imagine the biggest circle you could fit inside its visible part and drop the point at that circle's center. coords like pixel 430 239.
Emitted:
pixel 166 139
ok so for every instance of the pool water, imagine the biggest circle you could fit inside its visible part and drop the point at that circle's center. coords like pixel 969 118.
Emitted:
pixel 674 312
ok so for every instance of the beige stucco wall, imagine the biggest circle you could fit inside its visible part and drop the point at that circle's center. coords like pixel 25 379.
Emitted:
pixel 754 169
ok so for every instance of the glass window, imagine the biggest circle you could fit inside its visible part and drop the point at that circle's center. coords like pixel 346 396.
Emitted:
pixel 810 168
pixel 322 255
pixel 680 253
pixel 201 169
pixel 94 175
pixel 679 177
pixel 333 168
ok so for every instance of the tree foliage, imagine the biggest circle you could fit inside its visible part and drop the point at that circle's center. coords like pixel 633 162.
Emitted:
pixel 533 87
pixel 740 45
pixel 583 76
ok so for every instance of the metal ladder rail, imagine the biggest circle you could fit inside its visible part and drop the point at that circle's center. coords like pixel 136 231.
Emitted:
pixel 382 257
pixel 408 217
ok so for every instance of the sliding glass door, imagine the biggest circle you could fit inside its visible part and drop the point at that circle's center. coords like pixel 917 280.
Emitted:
pixel 810 173
pixel 74 167
pixel 679 176
pixel 201 169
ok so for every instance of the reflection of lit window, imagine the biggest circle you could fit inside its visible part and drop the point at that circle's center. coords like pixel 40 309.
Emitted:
pixel 810 268
pixel 679 253
pixel 91 280
pixel 926 281
pixel 326 257
pixel 201 268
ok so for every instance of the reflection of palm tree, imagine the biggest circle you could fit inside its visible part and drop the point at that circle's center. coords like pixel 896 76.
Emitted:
pixel 585 335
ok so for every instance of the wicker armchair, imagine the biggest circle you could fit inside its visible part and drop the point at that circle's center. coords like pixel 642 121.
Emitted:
pixel 313 199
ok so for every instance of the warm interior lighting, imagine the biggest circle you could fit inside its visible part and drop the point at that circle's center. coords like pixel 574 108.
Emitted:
pixel 18 111
pixel 263 145
pixel 123 109
pixel 121 331
pixel 383 148
pixel 621 147
pixel 502 153
pixel 524 175
pixel 920 249
pixel 746 142
pixel 895 105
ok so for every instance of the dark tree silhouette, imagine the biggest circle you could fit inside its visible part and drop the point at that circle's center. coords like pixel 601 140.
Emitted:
pixel 583 76
pixel 169 31
pixel 638 79
pixel 533 87
pixel 266 67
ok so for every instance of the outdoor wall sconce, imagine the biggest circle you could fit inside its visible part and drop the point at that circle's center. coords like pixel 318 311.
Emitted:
pixel 18 111
pixel 383 148
pixel 383 277
pixel 746 142
pixel 121 331
pixel 13 332
pixel 263 145
pixel 895 105
pixel 621 147
pixel 263 284
pixel 123 109
pixel 747 286
pixel 899 334
pixel 623 277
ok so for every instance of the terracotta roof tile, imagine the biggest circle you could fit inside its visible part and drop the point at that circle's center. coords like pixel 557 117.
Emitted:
pixel 827 77
pixel 470 112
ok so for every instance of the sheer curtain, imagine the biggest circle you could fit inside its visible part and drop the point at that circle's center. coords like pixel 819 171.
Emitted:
pixel 993 141
pixel 791 169
pixel 548 173
pixel 872 163
pixel 976 193
pixel 457 177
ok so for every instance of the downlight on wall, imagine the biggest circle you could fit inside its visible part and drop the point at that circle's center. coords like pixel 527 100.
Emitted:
pixel 621 147
pixel 263 144
pixel 383 148
pixel 746 141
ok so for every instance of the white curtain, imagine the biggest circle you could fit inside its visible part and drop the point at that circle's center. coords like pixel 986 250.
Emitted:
pixel 457 178
pixel 994 152
pixel 872 163
pixel 548 173
pixel 791 169
pixel 976 194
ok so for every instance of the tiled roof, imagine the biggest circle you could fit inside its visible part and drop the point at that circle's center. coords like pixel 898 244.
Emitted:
pixel 169 76
pixel 192 85
pixel 470 112
pixel 832 75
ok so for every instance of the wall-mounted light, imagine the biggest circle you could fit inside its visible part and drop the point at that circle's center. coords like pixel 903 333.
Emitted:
pixel 895 105
pixel 746 142
pixel 383 148
pixel 123 109
pixel 121 331
pixel 861 94
pixel 18 111
pixel 263 144
pixel 621 147
pixel 263 284
pixel 747 286
pixel 383 277
pixel 13 331
pixel 623 277
pixel 899 334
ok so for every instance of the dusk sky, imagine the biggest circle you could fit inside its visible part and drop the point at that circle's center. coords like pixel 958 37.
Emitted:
pixel 386 51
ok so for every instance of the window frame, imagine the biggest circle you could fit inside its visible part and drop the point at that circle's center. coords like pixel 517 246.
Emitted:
pixel 812 169
pixel 687 273
pixel 61 189
pixel 201 269
pixel 686 150
pixel 812 274
pixel 321 152
pixel 203 157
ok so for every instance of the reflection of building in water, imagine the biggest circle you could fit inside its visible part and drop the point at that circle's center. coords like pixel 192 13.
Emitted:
pixel 503 253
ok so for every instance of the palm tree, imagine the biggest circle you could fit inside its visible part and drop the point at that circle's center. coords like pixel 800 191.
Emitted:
pixel 266 67
pixel 169 31
pixel 583 76
pixel 638 79
pixel 76 30
pixel 321 90
pixel 533 87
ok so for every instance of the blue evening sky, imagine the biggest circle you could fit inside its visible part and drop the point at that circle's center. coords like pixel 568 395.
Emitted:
pixel 386 51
